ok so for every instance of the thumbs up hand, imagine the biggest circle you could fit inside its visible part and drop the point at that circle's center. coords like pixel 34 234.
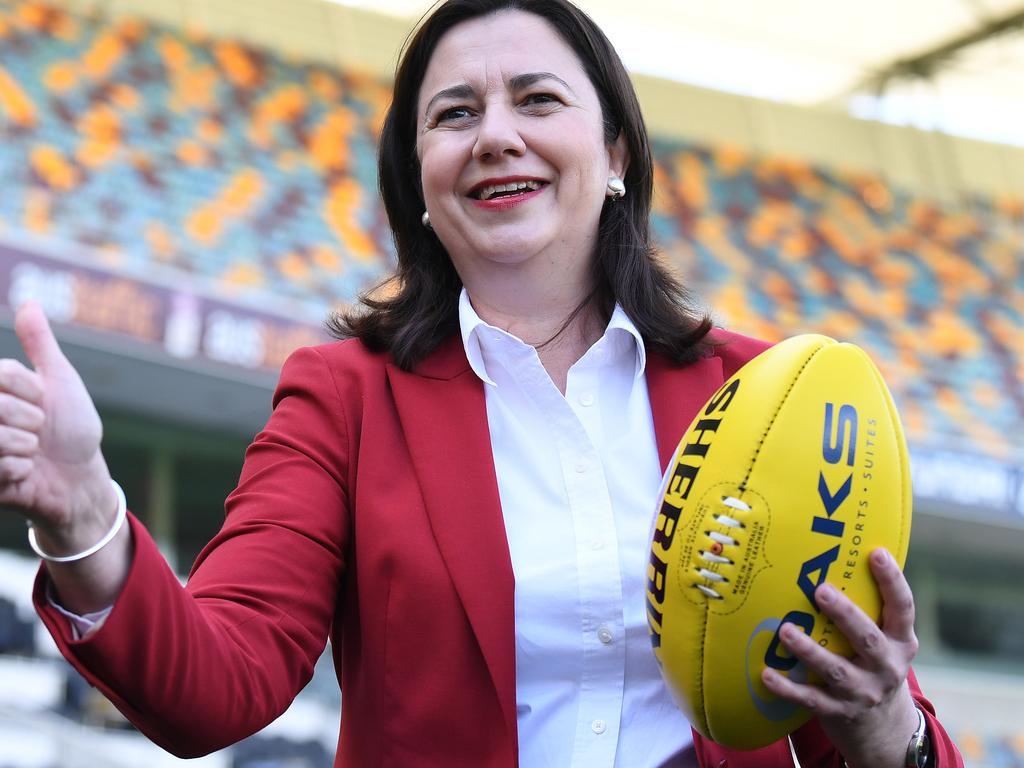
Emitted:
pixel 51 467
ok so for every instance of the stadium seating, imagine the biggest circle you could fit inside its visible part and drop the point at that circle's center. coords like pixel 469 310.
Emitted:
pixel 935 293
pixel 160 150
pixel 254 175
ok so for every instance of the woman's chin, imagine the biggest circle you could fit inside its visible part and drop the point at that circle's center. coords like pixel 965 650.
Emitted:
pixel 502 250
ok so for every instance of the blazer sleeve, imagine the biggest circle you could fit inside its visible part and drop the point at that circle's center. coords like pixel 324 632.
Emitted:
pixel 200 667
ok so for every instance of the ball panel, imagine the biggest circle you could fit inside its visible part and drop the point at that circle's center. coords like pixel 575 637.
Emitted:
pixel 835 445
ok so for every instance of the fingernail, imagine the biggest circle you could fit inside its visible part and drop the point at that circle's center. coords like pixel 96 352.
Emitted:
pixel 883 557
pixel 826 593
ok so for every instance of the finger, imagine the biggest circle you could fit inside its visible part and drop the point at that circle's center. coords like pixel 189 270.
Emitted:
pixel 13 469
pixel 897 598
pixel 16 412
pixel 842 677
pixel 37 338
pixel 863 634
pixel 17 442
pixel 811 697
pixel 21 382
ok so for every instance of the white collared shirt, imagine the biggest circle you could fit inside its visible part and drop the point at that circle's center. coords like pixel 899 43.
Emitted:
pixel 578 476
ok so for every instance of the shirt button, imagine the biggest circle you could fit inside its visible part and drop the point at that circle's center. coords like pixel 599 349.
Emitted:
pixel 587 399
pixel 599 726
pixel 596 544
pixel 581 467
pixel 604 635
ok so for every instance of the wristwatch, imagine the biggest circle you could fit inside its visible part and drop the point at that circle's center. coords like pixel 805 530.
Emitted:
pixel 919 751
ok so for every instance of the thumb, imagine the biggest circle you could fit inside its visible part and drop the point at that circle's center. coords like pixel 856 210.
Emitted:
pixel 37 338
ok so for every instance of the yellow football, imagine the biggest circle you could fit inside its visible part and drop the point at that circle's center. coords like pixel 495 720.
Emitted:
pixel 792 473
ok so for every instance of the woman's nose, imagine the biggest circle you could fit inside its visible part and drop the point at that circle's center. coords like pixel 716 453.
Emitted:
pixel 498 135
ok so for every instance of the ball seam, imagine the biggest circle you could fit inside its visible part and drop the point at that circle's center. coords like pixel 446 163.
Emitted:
pixel 771 421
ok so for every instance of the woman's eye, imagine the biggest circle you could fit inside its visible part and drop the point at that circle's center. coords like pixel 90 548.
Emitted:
pixel 541 98
pixel 454 113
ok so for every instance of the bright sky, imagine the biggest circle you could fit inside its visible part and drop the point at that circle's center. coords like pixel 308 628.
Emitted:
pixel 814 53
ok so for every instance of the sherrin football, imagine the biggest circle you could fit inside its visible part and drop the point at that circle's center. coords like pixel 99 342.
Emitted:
pixel 792 473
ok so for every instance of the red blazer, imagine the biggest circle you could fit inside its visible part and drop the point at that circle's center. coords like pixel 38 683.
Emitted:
pixel 368 509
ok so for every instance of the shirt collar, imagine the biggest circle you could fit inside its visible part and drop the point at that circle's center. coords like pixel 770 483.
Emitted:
pixel 472 325
pixel 621 335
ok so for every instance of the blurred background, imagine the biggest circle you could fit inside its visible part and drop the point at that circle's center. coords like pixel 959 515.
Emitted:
pixel 188 187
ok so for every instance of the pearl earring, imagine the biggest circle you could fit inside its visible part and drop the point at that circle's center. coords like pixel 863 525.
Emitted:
pixel 425 220
pixel 616 188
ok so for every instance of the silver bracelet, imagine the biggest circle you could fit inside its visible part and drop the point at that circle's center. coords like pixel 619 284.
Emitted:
pixel 122 514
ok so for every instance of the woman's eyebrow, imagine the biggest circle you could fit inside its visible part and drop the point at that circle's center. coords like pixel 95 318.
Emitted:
pixel 519 82
pixel 455 92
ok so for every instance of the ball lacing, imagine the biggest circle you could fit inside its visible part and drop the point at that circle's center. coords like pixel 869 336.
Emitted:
pixel 714 556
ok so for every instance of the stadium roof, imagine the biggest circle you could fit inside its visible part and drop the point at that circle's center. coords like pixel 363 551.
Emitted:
pixel 950 65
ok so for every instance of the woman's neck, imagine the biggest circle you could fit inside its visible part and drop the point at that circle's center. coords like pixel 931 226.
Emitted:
pixel 551 324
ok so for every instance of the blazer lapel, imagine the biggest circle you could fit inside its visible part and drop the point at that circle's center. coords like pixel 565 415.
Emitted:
pixel 676 394
pixel 443 412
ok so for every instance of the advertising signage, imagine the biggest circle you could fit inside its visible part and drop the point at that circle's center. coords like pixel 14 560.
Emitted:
pixel 180 323
pixel 954 479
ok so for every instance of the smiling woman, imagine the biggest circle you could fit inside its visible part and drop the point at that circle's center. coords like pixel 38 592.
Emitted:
pixel 458 493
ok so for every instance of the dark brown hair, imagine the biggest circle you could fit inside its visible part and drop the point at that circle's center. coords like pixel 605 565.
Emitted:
pixel 417 308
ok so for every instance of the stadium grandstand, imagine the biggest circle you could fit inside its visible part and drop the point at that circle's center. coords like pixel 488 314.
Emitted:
pixel 189 189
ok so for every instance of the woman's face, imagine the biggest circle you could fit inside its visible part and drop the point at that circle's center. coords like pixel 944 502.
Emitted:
pixel 514 165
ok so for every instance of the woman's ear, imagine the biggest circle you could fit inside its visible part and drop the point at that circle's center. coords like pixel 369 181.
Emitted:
pixel 618 156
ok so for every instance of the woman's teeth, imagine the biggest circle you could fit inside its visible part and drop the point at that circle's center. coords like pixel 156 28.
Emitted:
pixel 514 187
